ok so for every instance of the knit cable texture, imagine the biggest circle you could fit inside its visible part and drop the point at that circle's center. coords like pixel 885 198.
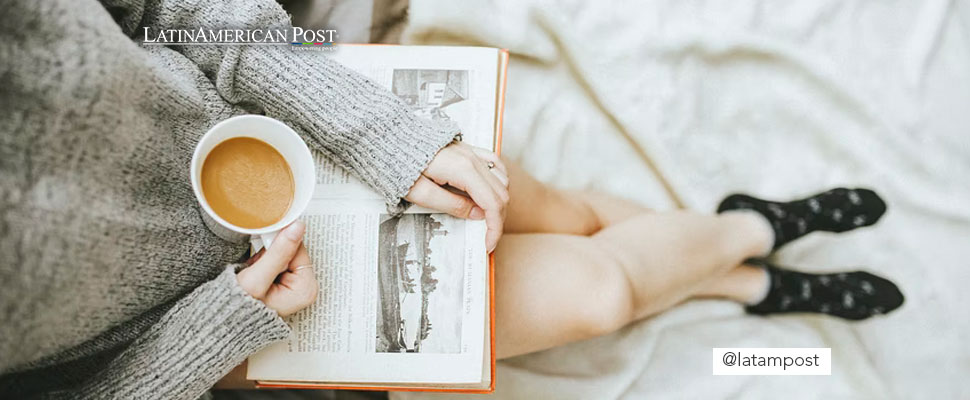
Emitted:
pixel 201 338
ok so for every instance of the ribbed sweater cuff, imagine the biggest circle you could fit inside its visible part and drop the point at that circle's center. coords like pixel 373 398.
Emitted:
pixel 361 126
pixel 196 343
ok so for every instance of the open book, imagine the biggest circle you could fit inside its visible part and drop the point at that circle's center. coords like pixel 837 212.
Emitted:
pixel 404 303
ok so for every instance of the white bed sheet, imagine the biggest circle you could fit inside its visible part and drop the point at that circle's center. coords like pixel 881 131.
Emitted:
pixel 778 99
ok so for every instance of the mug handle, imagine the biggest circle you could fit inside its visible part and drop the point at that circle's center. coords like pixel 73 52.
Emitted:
pixel 267 238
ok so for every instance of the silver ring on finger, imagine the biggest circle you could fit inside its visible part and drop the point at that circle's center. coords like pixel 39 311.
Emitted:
pixel 302 267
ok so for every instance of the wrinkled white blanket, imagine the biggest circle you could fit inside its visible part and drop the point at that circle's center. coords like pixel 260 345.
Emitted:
pixel 677 103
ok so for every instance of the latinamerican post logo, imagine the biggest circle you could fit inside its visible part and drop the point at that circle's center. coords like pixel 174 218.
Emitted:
pixel 295 36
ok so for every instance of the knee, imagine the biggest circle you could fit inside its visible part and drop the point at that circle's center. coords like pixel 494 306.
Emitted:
pixel 583 219
pixel 609 305
pixel 591 221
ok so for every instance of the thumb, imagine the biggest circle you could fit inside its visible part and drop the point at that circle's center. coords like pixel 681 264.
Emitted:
pixel 256 279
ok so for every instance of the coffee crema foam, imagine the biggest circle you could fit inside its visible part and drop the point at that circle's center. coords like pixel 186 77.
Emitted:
pixel 247 182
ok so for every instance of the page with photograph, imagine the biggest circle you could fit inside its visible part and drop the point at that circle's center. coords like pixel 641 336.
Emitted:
pixel 402 299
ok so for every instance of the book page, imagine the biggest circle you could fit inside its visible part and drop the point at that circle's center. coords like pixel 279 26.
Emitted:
pixel 439 82
pixel 401 300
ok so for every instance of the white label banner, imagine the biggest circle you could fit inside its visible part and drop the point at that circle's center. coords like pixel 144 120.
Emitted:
pixel 772 361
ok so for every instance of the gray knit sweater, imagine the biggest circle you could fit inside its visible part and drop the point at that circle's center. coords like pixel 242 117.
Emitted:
pixel 110 284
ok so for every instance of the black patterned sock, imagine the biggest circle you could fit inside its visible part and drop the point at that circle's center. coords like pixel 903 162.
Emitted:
pixel 853 295
pixel 837 210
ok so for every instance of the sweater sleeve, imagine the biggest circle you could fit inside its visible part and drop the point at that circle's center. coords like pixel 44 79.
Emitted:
pixel 197 342
pixel 356 123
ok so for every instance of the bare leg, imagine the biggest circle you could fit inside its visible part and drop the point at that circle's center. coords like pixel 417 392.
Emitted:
pixel 574 265
pixel 556 288
pixel 536 208
pixel 743 284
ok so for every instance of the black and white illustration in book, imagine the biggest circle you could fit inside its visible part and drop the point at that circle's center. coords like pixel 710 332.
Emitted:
pixel 434 94
pixel 420 277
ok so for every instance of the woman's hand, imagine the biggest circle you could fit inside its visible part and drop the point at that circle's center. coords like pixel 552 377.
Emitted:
pixel 282 277
pixel 478 173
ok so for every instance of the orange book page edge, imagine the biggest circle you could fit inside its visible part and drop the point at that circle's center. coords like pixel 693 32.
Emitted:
pixel 504 67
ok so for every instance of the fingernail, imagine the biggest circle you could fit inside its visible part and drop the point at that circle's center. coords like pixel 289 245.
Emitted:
pixel 476 213
pixel 295 230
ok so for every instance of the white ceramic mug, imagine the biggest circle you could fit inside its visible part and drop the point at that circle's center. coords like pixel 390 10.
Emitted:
pixel 284 140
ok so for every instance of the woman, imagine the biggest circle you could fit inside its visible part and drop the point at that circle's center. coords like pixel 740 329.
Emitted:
pixel 113 287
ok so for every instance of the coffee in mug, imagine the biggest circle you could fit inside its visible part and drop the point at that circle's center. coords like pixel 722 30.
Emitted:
pixel 247 182
pixel 253 176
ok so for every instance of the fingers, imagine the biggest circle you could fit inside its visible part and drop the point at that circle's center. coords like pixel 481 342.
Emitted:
pixel 498 169
pixel 484 195
pixel 301 259
pixel 426 193
pixel 495 179
pixel 494 221
pixel 459 166
pixel 299 279
pixel 282 276
pixel 494 213
pixel 252 260
pixel 487 155
pixel 297 289
pixel 257 278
